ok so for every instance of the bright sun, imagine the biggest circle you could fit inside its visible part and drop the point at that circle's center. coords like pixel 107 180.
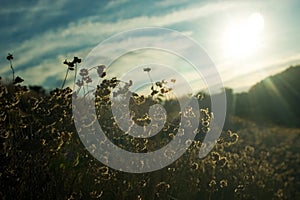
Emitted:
pixel 242 37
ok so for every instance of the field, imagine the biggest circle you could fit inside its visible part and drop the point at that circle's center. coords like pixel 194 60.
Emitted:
pixel 42 156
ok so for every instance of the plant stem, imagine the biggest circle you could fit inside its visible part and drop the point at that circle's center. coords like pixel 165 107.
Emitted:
pixel 75 76
pixel 65 79
pixel 151 79
pixel 12 69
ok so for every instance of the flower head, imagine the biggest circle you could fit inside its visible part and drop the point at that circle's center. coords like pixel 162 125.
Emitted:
pixel 147 69
pixel 10 57
pixel 69 64
pixel 79 83
pixel 88 79
pixel 84 72
pixel 18 80
pixel 76 60
pixel 100 71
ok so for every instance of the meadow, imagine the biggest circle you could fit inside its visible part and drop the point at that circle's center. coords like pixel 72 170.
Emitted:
pixel 42 156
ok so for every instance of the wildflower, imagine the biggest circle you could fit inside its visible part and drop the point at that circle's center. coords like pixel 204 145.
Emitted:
pixel 100 71
pixel 220 140
pixel 18 80
pixel 234 138
pixel 222 162
pixel 10 57
pixel 239 188
pixel 69 64
pixel 103 170
pixel 212 183
pixel 165 90
pixel 147 69
pixel 215 156
pixel 159 84
pixel 188 142
pixel 200 96
pixel 249 149
pixel 164 81
pixel 162 186
pixel 79 83
pixel 195 166
pixel 103 75
pixel 84 72
pixel 76 60
pixel 279 193
pixel 205 123
pixel 88 80
pixel 154 92
pixel 223 183
pixel 261 184
pixel 205 129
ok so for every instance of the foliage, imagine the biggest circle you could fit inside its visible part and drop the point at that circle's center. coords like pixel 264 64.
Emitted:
pixel 42 156
pixel 274 100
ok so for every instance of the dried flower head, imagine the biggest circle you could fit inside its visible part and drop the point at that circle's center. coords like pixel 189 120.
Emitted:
pixel 223 183
pixel 101 71
pixel 18 80
pixel 10 57
pixel 212 183
pixel 83 72
pixel 147 69
pixel 76 60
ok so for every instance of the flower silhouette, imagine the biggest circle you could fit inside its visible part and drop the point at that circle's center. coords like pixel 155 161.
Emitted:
pixel 10 57
pixel 18 80
pixel 147 69
pixel 84 72
pixel 71 66
pixel 76 60
pixel 100 71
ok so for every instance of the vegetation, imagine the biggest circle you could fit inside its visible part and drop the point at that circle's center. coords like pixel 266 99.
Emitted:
pixel 42 156
pixel 273 100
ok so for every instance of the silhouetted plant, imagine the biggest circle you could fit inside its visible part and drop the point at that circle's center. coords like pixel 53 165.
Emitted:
pixel 10 58
pixel 18 80
pixel 41 152
pixel 71 66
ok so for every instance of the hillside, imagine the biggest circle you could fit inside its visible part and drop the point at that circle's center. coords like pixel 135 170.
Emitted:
pixel 272 100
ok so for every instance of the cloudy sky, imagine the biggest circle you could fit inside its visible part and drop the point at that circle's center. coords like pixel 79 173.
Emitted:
pixel 246 40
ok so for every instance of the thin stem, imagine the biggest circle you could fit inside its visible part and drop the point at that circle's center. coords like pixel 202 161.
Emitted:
pixel 12 69
pixel 150 79
pixel 83 90
pixel 75 76
pixel 87 87
pixel 65 79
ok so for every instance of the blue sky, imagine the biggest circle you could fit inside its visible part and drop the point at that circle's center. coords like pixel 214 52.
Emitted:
pixel 42 34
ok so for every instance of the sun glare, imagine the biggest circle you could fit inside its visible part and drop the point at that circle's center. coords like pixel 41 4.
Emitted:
pixel 242 37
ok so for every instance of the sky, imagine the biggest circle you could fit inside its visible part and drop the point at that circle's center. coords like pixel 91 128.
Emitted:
pixel 246 40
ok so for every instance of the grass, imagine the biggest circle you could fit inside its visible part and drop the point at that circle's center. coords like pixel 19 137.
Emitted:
pixel 42 156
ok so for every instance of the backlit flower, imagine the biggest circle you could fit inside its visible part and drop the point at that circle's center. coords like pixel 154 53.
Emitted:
pixel 10 57
pixel 147 69
pixel 100 71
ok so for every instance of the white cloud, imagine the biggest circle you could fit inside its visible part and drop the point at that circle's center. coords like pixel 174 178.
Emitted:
pixel 115 3
pixel 261 70
pixel 89 32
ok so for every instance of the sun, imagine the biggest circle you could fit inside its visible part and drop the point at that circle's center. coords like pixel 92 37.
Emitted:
pixel 241 38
